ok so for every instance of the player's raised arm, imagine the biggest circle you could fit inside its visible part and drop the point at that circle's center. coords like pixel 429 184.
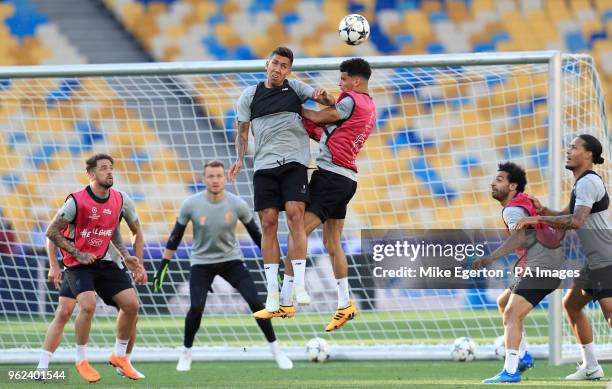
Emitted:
pixel 325 116
pixel 321 96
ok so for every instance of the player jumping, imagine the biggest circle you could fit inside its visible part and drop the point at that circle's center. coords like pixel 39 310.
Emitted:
pixel 347 126
pixel 282 151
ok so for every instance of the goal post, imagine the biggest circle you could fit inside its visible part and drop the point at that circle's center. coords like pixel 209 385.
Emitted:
pixel 444 122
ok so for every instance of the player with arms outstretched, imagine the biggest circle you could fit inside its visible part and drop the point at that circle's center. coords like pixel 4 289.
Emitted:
pixel 83 229
pixel 539 247
pixel 282 151
pixel 341 131
pixel 587 213
pixel 67 300
pixel 215 252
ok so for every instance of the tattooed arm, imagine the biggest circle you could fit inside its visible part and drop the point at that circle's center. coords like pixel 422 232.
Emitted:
pixel 55 233
pixel 242 143
pixel 562 222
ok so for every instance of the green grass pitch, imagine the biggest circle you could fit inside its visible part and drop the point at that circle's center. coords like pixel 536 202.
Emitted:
pixel 381 374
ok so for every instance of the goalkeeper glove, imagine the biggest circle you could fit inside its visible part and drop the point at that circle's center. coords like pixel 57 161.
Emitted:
pixel 158 280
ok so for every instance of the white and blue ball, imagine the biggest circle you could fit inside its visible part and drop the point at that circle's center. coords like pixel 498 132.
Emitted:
pixel 317 350
pixel 464 350
pixel 354 29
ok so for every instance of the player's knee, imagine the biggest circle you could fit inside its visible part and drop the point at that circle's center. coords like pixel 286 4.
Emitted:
pixel 131 307
pixel 269 225
pixel 569 306
pixel 510 316
pixel 195 311
pixel 295 219
pixel 88 307
pixel 62 315
pixel 332 246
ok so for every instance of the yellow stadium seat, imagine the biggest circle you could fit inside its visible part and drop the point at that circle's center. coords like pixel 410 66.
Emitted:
pixel 131 14
pixel 591 26
pixel 603 5
pixel 579 5
pixel 457 11
pixel 282 7
pixel 431 6
pixel 6 9
pixel 483 5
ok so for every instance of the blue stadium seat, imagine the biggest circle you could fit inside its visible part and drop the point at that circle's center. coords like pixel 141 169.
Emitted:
pixel 411 138
pixel 63 91
pixel 511 152
pixel 355 8
pixel 215 48
pixel 381 40
pixel 44 154
pixel 11 181
pixel 5 84
pixel 575 42
pixel 16 137
pixel 467 163
pixel 261 6
pixel 385 4
pixel 25 20
pixel 438 16
pixel 435 48
pixel 89 134
pixel 539 156
pixel 243 53
pixel 484 47
pixel 431 179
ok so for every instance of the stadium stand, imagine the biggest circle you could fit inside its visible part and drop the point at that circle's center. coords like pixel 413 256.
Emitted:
pixel 182 30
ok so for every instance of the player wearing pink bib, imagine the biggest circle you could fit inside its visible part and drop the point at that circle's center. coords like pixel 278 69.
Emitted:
pixel 341 131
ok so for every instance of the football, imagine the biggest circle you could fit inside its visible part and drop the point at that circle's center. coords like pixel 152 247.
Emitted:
pixel 354 29
pixel 317 350
pixel 499 348
pixel 464 350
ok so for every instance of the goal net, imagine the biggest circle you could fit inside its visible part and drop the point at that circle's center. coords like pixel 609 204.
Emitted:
pixel 444 123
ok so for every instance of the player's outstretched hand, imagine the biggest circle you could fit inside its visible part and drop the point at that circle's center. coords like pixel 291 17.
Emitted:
pixel 525 222
pixel 320 95
pixel 158 280
pixel 55 276
pixel 234 170
pixel 482 262
pixel 86 258
pixel 138 271
pixel 536 204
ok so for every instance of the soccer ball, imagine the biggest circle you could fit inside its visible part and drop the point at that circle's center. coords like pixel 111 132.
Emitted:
pixel 499 348
pixel 354 29
pixel 464 350
pixel 317 350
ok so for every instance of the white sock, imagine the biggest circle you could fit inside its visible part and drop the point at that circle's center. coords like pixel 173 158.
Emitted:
pixel 187 351
pixel 120 347
pixel 343 292
pixel 512 359
pixel 271 270
pixel 299 271
pixel 45 357
pixel 588 355
pixel 523 345
pixel 286 294
pixel 275 348
pixel 81 353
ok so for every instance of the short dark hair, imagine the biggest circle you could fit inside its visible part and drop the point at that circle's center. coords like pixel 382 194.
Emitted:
pixel 356 67
pixel 516 174
pixel 92 162
pixel 214 163
pixel 283 52
pixel 593 145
